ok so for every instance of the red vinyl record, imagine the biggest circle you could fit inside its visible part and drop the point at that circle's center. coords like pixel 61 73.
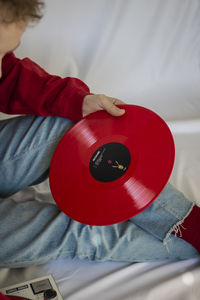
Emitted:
pixel 107 169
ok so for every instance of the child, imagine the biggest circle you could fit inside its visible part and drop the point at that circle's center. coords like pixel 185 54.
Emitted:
pixel 34 232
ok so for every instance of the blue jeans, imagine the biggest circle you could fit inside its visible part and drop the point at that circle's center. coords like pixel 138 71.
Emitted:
pixel 33 232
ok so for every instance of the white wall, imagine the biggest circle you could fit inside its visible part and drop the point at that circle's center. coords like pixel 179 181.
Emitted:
pixel 143 52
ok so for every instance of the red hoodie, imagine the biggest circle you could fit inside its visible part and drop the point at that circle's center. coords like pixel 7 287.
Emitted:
pixel 25 88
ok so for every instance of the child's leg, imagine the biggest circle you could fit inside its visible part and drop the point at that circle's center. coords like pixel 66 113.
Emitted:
pixel 171 206
pixel 27 146
pixel 33 233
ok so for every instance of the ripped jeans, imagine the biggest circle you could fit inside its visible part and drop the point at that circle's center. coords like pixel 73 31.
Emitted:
pixel 34 232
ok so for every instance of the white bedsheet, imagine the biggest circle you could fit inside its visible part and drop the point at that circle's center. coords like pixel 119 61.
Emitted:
pixel 146 53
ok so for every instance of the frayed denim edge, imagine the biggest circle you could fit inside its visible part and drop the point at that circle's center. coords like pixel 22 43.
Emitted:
pixel 176 228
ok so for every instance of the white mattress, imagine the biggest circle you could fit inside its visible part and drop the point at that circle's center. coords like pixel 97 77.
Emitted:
pixel 145 53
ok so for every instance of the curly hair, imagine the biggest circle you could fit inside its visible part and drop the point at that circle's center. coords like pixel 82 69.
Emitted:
pixel 12 11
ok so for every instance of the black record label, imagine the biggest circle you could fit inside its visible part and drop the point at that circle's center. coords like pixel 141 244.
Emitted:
pixel 109 162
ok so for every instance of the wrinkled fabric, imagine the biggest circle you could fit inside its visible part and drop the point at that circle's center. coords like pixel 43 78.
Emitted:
pixel 33 232
pixel 27 89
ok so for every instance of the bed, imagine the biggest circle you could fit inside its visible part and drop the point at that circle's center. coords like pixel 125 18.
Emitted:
pixel 145 53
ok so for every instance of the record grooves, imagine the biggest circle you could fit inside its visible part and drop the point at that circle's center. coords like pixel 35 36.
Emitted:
pixel 107 169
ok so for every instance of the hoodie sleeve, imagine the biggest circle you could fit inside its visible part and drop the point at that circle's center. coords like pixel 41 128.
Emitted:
pixel 25 88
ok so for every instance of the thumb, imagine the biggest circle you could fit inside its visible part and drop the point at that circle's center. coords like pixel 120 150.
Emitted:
pixel 116 111
pixel 113 109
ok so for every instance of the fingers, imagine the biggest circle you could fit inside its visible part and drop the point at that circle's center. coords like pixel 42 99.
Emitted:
pixel 93 103
pixel 110 105
pixel 117 101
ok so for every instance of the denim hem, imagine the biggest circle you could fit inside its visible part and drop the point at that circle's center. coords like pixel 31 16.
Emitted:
pixel 177 226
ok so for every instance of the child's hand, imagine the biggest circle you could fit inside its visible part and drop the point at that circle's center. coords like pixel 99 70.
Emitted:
pixel 93 103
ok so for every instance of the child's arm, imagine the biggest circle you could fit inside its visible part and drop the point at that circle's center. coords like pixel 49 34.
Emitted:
pixel 25 88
